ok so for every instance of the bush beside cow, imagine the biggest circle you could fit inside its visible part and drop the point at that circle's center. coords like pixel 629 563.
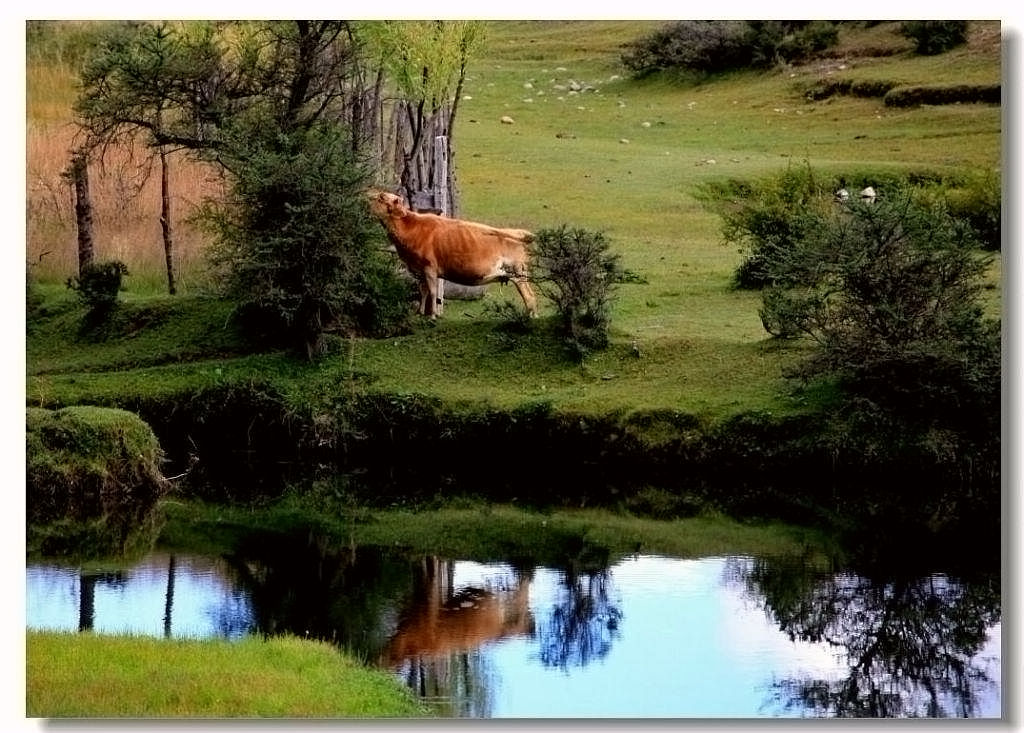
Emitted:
pixel 469 253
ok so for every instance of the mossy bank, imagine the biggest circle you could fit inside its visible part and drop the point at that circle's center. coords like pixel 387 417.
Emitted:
pixel 93 480
pixel 250 442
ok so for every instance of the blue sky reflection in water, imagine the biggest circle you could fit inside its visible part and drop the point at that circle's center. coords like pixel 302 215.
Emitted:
pixel 206 602
pixel 687 645
pixel 651 637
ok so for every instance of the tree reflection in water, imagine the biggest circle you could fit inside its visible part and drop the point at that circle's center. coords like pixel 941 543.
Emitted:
pixel 583 622
pixel 910 644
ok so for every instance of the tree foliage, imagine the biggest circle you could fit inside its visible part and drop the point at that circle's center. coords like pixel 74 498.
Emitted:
pixel 189 83
pixel 279 106
pixel 426 61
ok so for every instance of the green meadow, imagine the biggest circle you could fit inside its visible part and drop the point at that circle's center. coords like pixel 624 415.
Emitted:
pixel 623 156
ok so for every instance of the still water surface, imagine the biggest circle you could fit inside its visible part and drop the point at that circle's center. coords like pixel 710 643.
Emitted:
pixel 648 636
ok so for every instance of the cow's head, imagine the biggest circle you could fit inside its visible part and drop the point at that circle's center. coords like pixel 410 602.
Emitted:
pixel 384 204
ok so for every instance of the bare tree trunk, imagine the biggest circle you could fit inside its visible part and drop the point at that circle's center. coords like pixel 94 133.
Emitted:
pixel 165 220
pixel 450 182
pixel 83 207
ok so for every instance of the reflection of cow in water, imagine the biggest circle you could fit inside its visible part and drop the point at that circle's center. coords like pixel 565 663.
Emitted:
pixel 442 620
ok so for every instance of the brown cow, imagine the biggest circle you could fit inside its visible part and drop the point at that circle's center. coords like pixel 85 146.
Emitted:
pixel 469 253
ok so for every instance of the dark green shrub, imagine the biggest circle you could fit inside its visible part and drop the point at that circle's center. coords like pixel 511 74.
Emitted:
pixel 693 45
pixel 979 202
pixel 776 213
pixel 295 242
pixel 889 293
pixel 825 88
pixel 872 87
pixel 712 46
pixel 576 271
pixel 98 284
pixel 803 43
pixel 932 37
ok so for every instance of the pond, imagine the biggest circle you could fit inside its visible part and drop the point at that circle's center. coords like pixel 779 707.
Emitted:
pixel 643 636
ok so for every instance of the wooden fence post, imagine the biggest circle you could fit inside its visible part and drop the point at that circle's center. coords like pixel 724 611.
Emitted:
pixel 442 196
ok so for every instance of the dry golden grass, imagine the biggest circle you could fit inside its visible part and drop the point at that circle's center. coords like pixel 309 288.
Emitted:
pixel 125 192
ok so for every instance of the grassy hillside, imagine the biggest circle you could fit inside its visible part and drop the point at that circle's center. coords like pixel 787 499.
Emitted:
pixel 622 156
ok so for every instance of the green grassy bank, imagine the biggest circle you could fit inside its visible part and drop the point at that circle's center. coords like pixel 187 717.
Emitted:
pixel 94 676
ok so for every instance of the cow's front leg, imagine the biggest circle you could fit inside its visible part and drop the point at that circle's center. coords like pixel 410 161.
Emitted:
pixel 424 296
pixel 430 297
pixel 439 302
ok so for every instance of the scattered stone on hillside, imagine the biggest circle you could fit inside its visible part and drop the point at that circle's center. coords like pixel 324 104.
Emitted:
pixel 506 120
